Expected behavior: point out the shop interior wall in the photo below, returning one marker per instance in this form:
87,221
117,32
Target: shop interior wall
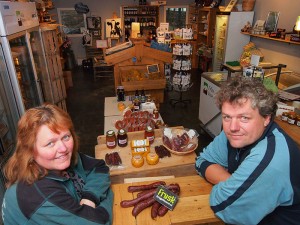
105,10
277,52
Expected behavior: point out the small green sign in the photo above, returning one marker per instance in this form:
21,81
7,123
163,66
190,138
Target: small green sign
166,197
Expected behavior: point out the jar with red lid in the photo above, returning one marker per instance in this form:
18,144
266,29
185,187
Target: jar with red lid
122,138
292,118
111,139
149,134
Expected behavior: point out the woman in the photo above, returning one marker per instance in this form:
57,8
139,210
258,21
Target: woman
48,181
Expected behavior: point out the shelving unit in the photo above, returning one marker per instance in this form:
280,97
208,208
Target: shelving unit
181,70
193,19
273,39
146,15
42,9
206,25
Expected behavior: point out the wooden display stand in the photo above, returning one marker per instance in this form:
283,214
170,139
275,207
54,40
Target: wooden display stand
144,56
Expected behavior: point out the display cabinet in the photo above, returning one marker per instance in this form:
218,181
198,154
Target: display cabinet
146,15
206,25
193,19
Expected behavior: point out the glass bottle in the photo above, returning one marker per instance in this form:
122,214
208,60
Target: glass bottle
111,140
143,96
136,104
149,134
122,138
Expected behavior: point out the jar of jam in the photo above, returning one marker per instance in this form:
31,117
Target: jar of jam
149,134
122,138
298,120
284,116
137,161
292,118
111,139
136,104
155,114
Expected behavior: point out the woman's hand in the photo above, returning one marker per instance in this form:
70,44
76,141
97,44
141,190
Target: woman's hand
87,202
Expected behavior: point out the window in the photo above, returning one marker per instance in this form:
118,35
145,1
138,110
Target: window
176,16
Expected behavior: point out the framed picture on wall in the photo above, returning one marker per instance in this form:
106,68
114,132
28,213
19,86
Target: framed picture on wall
72,22
93,22
95,32
113,28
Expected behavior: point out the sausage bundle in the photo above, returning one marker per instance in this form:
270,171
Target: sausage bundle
113,159
145,198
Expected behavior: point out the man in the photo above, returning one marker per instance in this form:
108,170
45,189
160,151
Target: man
253,163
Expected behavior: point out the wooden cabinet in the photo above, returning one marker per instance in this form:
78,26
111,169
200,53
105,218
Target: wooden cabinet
193,19
146,15
206,25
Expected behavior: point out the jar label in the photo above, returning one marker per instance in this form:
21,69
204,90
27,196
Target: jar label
298,123
111,143
151,138
284,118
291,121
122,141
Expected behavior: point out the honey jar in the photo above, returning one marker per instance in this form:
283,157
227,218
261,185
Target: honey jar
292,118
284,116
298,120
149,134
111,139
155,114
152,158
137,161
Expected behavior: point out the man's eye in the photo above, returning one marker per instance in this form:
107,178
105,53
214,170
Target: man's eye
226,118
244,119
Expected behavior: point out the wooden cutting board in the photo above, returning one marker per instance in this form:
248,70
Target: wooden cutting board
192,207
174,165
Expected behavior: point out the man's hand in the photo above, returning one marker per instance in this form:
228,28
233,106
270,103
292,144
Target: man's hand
216,173
87,202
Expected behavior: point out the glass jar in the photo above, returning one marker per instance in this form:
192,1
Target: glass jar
111,140
136,105
298,120
284,116
122,138
149,134
292,118
155,114
137,161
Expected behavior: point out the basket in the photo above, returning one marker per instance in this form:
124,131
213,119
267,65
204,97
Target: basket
181,153
248,5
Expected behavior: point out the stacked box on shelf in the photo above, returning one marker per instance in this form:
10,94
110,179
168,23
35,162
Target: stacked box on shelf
55,91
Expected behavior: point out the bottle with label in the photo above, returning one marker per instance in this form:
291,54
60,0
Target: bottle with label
122,138
111,139
143,96
136,95
136,104
149,134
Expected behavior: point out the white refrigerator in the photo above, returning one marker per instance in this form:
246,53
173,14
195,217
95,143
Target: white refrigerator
23,55
228,40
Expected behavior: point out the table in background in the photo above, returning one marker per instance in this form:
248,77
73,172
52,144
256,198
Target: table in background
292,130
176,165
192,208
112,113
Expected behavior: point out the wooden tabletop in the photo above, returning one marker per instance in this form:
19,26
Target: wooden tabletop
192,208
175,165
111,106
292,130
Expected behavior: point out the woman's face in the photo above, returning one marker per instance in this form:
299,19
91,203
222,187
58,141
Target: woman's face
53,151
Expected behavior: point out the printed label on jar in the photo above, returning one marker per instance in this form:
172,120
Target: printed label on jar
291,121
298,123
122,142
284,118
111,143
151,138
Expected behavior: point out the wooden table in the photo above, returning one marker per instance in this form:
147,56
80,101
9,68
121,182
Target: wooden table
175,165
292,130
192,208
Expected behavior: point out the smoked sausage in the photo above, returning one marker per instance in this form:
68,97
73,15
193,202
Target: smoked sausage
142,205
133,202
145,187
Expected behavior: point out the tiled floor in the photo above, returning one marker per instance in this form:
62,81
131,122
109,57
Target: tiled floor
85,104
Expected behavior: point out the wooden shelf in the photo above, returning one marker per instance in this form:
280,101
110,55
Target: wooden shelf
273,39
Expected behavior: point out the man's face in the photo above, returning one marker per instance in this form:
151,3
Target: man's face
242,124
